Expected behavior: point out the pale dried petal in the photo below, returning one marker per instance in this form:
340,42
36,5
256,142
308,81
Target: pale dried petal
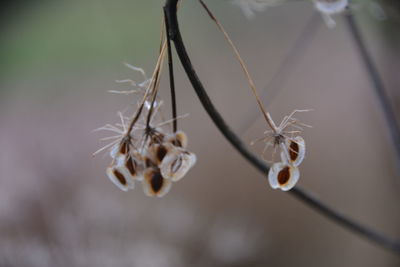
283,176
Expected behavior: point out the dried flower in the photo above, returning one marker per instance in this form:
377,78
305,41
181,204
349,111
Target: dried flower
143,150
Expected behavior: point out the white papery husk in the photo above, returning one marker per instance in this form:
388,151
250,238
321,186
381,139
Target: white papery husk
180,136
114,151
290,182
115,171
177,163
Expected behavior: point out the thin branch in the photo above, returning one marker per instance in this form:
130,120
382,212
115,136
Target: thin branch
147,92
299,193
171,75
377,82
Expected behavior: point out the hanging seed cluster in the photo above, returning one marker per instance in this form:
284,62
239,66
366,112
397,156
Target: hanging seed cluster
285,174
162,160
143,151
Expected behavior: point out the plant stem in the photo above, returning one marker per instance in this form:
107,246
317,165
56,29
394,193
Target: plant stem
171,76
243,65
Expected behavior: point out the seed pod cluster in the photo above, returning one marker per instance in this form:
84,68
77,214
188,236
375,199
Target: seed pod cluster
285,174
162,160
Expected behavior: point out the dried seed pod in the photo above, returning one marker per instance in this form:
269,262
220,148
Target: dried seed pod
157,152
177,163
293,151
154,184
283,176
120,149
119,178
130,167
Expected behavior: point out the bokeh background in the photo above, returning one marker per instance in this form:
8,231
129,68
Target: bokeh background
58,208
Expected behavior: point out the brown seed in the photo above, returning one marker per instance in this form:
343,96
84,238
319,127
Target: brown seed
156,181
120,177
131,166
284,175
161,152
293,150
124,146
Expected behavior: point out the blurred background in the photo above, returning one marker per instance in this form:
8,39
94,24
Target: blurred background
58,208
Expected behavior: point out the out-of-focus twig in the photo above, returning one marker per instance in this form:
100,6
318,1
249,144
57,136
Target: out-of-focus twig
378,85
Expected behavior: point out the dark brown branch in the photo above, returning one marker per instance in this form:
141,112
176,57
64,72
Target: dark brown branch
299,193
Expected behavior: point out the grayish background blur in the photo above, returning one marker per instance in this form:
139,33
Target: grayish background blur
58,208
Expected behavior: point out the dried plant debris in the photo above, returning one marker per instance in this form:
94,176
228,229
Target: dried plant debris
285,137
143,147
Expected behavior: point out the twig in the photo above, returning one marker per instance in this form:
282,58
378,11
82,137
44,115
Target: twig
298,192
377,82
171,76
